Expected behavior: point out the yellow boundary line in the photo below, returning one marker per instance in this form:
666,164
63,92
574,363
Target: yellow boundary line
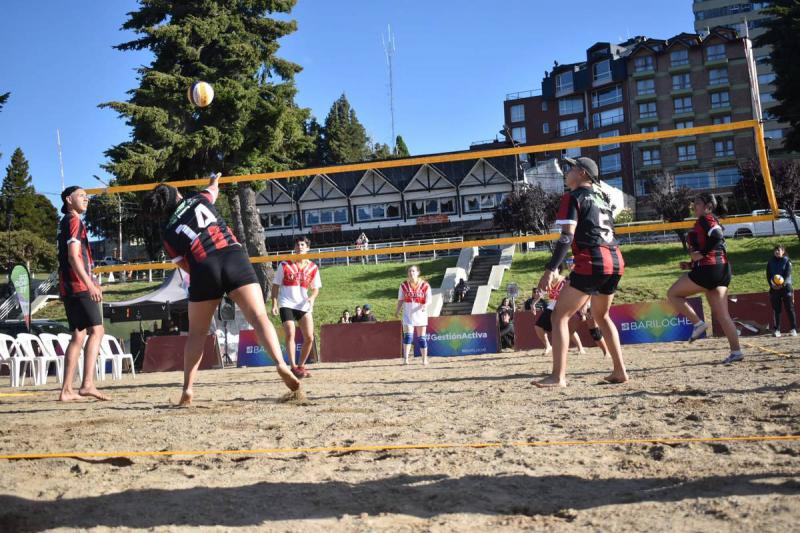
767,350
389,447
16,394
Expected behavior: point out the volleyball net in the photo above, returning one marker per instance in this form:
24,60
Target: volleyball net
688,147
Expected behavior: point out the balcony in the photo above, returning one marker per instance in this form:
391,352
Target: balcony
644,73
684,91
716,61
523,94
679,68
645,120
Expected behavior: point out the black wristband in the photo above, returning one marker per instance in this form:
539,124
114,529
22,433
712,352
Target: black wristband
560,252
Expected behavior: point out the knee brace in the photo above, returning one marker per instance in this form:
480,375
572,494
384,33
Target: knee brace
408,338
596,333
422,342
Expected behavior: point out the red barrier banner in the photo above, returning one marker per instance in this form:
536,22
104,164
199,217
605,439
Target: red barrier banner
165,353
752,314
344,343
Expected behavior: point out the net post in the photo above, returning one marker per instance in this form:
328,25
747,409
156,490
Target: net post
763,160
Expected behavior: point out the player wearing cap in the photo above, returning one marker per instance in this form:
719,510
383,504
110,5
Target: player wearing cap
81,295
587,227
294,290
199,241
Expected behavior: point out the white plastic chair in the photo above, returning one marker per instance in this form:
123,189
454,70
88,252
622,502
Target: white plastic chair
11,356
42,360
110,347
53,346
65,339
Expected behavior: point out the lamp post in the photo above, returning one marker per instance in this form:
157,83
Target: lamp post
506,131
119,205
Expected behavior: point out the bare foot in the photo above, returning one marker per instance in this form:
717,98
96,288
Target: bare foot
615,379
425,361
405,360
549,382
94,393
186,398
582,351
70,396
548,351
288,378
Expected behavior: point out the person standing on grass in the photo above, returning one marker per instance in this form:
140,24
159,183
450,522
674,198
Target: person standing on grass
587,225
81,294
781,294
709,273
294,290
199,241
413,298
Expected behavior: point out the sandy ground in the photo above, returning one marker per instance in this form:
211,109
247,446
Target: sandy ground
677,391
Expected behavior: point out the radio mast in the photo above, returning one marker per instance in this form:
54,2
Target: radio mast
389,49
60,159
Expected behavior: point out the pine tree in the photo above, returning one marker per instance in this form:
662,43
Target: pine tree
343,139
381,151
400,148
253,124
22,207
782,33
3,99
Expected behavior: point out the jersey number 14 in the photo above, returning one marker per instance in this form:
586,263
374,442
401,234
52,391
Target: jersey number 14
204,219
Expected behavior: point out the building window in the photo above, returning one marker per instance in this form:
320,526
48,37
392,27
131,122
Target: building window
601,72
648,110
476,203
718,76
520,134
287,219
367,213
681,81
723,148
615,182
651,156
720,99
682,104
568,127
721,119
695,180
608,117
545,127
643,64
715,52
607,96
687,152
643,187
678,58
333,215
766,98
763,59
564,83
571,152
610,133
769,115
648,129
647,86
434,206
570,106
544,105
774,134
610,163
683,124
517,113
728,177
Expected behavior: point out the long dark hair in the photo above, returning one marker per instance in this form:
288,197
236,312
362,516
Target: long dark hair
716,202
161,202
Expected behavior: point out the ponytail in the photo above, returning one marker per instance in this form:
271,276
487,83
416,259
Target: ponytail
161,202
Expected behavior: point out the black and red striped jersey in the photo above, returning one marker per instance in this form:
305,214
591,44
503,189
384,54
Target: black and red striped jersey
196,230
594,246
698,241
72,229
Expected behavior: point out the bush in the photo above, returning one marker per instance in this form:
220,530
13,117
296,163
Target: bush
624,217
26,247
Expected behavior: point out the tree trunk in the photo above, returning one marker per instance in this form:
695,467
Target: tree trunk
232,195
682,236
253,235
794,222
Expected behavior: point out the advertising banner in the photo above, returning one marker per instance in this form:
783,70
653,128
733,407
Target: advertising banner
461,335
21,280
250,353
652,322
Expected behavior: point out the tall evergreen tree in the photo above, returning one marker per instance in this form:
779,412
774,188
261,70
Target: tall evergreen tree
3,99
22,207
343,139
782,34
381,151
253,124
400,148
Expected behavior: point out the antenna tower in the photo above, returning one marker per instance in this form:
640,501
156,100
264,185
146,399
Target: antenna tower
60,159
389,49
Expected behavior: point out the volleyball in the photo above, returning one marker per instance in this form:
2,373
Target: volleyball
777,280
200,93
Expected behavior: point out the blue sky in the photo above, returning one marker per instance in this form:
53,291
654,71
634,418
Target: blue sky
455,61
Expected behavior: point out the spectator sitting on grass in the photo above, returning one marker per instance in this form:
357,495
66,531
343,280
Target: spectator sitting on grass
367,315
358,316
345,319
460,291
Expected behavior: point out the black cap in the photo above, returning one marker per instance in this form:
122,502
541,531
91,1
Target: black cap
586,164
65,194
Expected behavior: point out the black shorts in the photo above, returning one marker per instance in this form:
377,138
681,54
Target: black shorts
291,315
711,276
544,320
595,284
221,272
82,312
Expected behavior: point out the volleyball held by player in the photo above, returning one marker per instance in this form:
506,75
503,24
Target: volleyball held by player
413,298
198,240
587,228
709,274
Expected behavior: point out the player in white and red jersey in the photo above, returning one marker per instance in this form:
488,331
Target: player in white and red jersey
544,325
413,298
294,290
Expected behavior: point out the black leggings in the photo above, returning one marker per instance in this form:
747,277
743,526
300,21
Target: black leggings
507,335
783,297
